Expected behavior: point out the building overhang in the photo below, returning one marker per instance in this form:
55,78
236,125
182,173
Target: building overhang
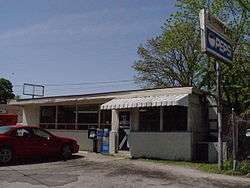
147,101
101,98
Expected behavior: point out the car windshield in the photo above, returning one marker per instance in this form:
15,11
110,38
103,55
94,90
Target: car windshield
5,129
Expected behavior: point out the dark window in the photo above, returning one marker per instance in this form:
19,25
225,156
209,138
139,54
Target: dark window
24,133
106,119
175,118
66,114
87,116
48,117
66,117
41,133
124,119
149,119
48,114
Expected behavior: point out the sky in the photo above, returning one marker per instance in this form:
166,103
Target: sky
73,46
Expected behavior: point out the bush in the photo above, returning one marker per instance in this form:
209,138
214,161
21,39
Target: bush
244,167
228,164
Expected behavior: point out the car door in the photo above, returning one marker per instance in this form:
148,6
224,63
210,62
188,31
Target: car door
48,144
24,144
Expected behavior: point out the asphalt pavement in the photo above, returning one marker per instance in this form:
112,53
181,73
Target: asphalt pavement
96,170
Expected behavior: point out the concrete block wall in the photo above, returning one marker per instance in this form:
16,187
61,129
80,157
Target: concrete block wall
81,136
161,145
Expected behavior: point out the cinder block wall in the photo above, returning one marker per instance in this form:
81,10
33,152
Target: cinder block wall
161,145
81,136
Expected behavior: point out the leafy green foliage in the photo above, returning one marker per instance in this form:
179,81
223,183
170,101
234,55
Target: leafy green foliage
174,58
244,167
6,91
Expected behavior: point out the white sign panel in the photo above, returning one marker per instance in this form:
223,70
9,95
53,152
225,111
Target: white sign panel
214,40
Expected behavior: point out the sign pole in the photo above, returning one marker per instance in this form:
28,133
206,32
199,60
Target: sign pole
219,116
235,140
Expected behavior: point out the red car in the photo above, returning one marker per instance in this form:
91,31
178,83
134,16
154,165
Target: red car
28,141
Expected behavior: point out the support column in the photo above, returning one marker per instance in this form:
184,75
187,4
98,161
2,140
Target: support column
76,117
134,116
161,119
56,120
113,135
99,118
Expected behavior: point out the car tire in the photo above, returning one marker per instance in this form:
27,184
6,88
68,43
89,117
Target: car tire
66,152
6,155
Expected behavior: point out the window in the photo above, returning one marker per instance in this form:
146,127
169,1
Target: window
5,129
106,119
87,116
41,133
175,118
149,119
124,119
66,117
25,133
48,117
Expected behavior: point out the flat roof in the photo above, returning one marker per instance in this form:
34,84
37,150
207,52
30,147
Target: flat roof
106,95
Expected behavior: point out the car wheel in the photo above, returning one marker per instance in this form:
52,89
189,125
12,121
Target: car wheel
66,152
6,155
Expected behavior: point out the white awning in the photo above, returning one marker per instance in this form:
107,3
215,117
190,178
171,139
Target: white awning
150,101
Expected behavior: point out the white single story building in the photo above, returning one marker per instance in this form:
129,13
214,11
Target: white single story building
154,123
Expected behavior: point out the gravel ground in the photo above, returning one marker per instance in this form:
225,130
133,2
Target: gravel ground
95,170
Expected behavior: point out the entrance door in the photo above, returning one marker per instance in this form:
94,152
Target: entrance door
124,130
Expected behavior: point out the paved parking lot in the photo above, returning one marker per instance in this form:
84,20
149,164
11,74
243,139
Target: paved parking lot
95,170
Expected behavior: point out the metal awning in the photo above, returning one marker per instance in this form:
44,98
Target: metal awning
149,101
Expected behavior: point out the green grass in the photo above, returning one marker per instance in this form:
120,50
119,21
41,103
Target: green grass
207,167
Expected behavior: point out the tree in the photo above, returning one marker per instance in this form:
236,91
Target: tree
6,91
174,57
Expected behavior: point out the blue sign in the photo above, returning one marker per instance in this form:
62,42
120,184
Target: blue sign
218,45
99,133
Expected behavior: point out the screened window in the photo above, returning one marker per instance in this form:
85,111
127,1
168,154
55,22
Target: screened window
106,119
66,117
87,116
149,119
48,117
175,118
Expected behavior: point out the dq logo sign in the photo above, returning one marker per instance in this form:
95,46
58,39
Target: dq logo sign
218,46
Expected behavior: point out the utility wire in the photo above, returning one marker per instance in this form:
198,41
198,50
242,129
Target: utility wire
83,83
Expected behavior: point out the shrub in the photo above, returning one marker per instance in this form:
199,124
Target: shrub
245,167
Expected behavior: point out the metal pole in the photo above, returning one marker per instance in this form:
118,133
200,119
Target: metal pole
234,140
219,116
33,92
